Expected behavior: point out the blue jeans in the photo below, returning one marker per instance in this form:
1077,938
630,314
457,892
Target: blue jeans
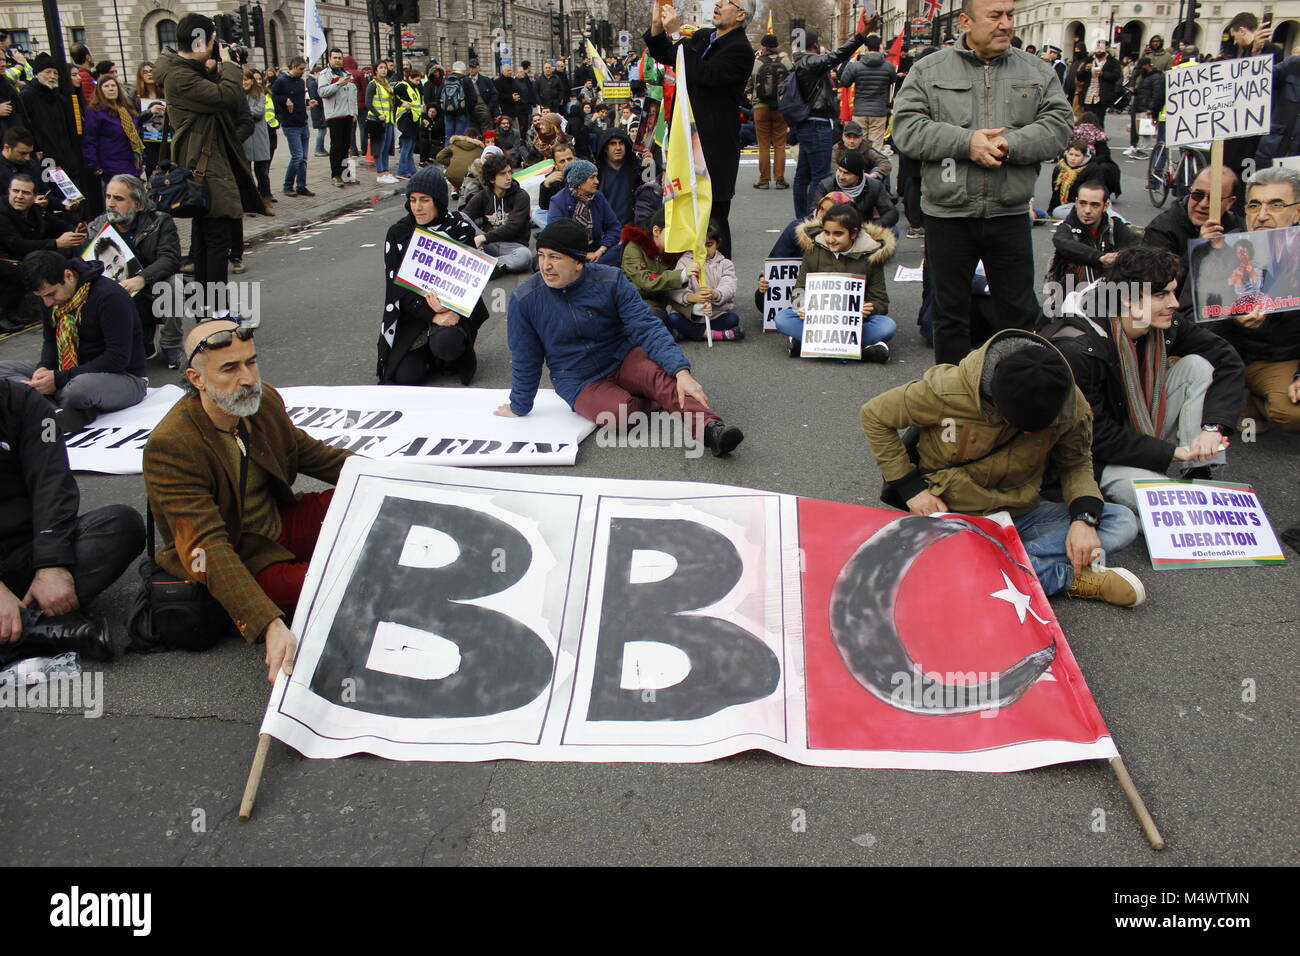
405,160
877,328
694,331
1044,530
381,155
456,125
320,139
295,174
815,142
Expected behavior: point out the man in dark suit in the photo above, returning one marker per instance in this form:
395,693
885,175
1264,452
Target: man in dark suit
718,64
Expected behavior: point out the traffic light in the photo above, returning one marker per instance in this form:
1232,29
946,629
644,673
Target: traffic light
259,27
245,33
1118,38
1193,9
555,25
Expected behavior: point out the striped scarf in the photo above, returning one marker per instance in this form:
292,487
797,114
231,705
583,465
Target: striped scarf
67,327
1144,387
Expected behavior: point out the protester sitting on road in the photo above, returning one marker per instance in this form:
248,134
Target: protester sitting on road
254,534
16,157
1072,170
1270,344
1190,219
501,213
620,172
616,359
26,226
458,154
92,357
852,140
552,183
582,200
870,196
847,246
1089,239
1015,410
790,244
153,238
717,297
473,181
53,562
653,272
418,336
1149,413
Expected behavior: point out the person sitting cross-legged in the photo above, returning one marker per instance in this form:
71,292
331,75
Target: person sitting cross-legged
608,356
92,357
219,471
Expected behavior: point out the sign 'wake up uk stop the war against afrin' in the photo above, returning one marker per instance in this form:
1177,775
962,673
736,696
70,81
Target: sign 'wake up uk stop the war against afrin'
1226,99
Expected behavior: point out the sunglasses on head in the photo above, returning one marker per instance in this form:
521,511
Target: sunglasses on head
220,340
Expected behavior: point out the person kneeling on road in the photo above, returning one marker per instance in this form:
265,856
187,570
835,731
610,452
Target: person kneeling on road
219,471
53,562
988,429
606,353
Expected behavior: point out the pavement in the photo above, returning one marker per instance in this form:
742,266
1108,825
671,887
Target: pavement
1197,685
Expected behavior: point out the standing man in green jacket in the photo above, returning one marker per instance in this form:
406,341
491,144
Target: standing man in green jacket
981,117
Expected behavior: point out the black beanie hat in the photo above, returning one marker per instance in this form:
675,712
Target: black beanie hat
851,161
566,236
770,41
44,62
1030,387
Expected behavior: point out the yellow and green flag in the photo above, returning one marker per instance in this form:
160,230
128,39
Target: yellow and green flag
688,193
603,75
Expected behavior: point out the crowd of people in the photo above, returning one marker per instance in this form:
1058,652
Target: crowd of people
1047,415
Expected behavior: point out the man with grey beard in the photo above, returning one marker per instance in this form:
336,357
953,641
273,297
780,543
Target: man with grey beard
153,238
219,472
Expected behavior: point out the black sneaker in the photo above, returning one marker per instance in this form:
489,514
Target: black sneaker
796,348
878,353
305,192
722,438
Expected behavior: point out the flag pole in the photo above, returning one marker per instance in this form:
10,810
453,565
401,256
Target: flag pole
254,776
1149,829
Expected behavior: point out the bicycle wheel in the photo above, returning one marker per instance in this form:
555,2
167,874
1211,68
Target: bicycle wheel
1157,181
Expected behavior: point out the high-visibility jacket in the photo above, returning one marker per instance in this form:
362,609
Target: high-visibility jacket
20,74
269,110
409,101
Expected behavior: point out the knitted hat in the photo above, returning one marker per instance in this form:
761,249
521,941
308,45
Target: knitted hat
577,173
851,161
1030,387
43,62
771,42
565,236
431,182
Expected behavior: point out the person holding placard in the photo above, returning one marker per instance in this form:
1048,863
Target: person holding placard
1150,413
418,336
608,356
1270,344
791,244
846,246
988,428
869,195
1178,225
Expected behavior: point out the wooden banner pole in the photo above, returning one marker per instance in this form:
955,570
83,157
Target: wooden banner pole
1216,181
1149,829
255,776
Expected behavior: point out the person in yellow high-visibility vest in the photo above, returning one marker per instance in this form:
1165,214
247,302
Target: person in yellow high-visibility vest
268,111
409,113
381,101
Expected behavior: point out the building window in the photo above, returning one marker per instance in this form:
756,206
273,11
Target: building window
167,35
77,35
21,38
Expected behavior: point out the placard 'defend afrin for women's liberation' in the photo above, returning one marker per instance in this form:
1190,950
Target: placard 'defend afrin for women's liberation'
456,274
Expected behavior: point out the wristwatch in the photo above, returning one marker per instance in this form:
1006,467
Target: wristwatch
1211,428
1088,518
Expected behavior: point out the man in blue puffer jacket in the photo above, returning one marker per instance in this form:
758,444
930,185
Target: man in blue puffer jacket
610,359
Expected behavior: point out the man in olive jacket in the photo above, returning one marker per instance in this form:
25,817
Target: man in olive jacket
982,117
195,105
988,429
229,435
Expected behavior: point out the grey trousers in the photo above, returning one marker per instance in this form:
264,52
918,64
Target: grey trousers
511,256
1184,398
94,391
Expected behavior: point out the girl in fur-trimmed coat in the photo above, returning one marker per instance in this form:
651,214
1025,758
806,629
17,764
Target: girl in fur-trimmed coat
843,244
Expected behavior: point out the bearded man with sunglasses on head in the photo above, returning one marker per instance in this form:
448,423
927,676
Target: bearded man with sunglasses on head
219,471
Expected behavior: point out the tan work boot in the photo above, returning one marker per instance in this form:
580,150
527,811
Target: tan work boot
1112,585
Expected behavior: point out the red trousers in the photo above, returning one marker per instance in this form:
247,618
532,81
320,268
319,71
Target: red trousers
299,528
640,385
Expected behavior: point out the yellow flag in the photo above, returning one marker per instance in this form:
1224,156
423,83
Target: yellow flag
603,75
688,194
769,21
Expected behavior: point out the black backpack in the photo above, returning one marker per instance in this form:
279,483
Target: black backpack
794,108
767,85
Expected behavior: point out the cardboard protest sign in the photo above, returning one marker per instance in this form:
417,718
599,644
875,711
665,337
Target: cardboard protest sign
1204,524
832,322
1225,99
456,274
616,92
781,275
452,426
1247,272
460,616
66,186
108,246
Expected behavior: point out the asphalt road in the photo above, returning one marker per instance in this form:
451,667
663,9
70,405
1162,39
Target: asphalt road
158,778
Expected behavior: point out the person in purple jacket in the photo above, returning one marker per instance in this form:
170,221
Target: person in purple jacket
110,143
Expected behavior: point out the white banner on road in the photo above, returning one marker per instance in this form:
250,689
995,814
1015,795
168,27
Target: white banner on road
1225,99
447,426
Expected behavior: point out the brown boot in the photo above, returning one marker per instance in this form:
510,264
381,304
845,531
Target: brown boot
267,208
